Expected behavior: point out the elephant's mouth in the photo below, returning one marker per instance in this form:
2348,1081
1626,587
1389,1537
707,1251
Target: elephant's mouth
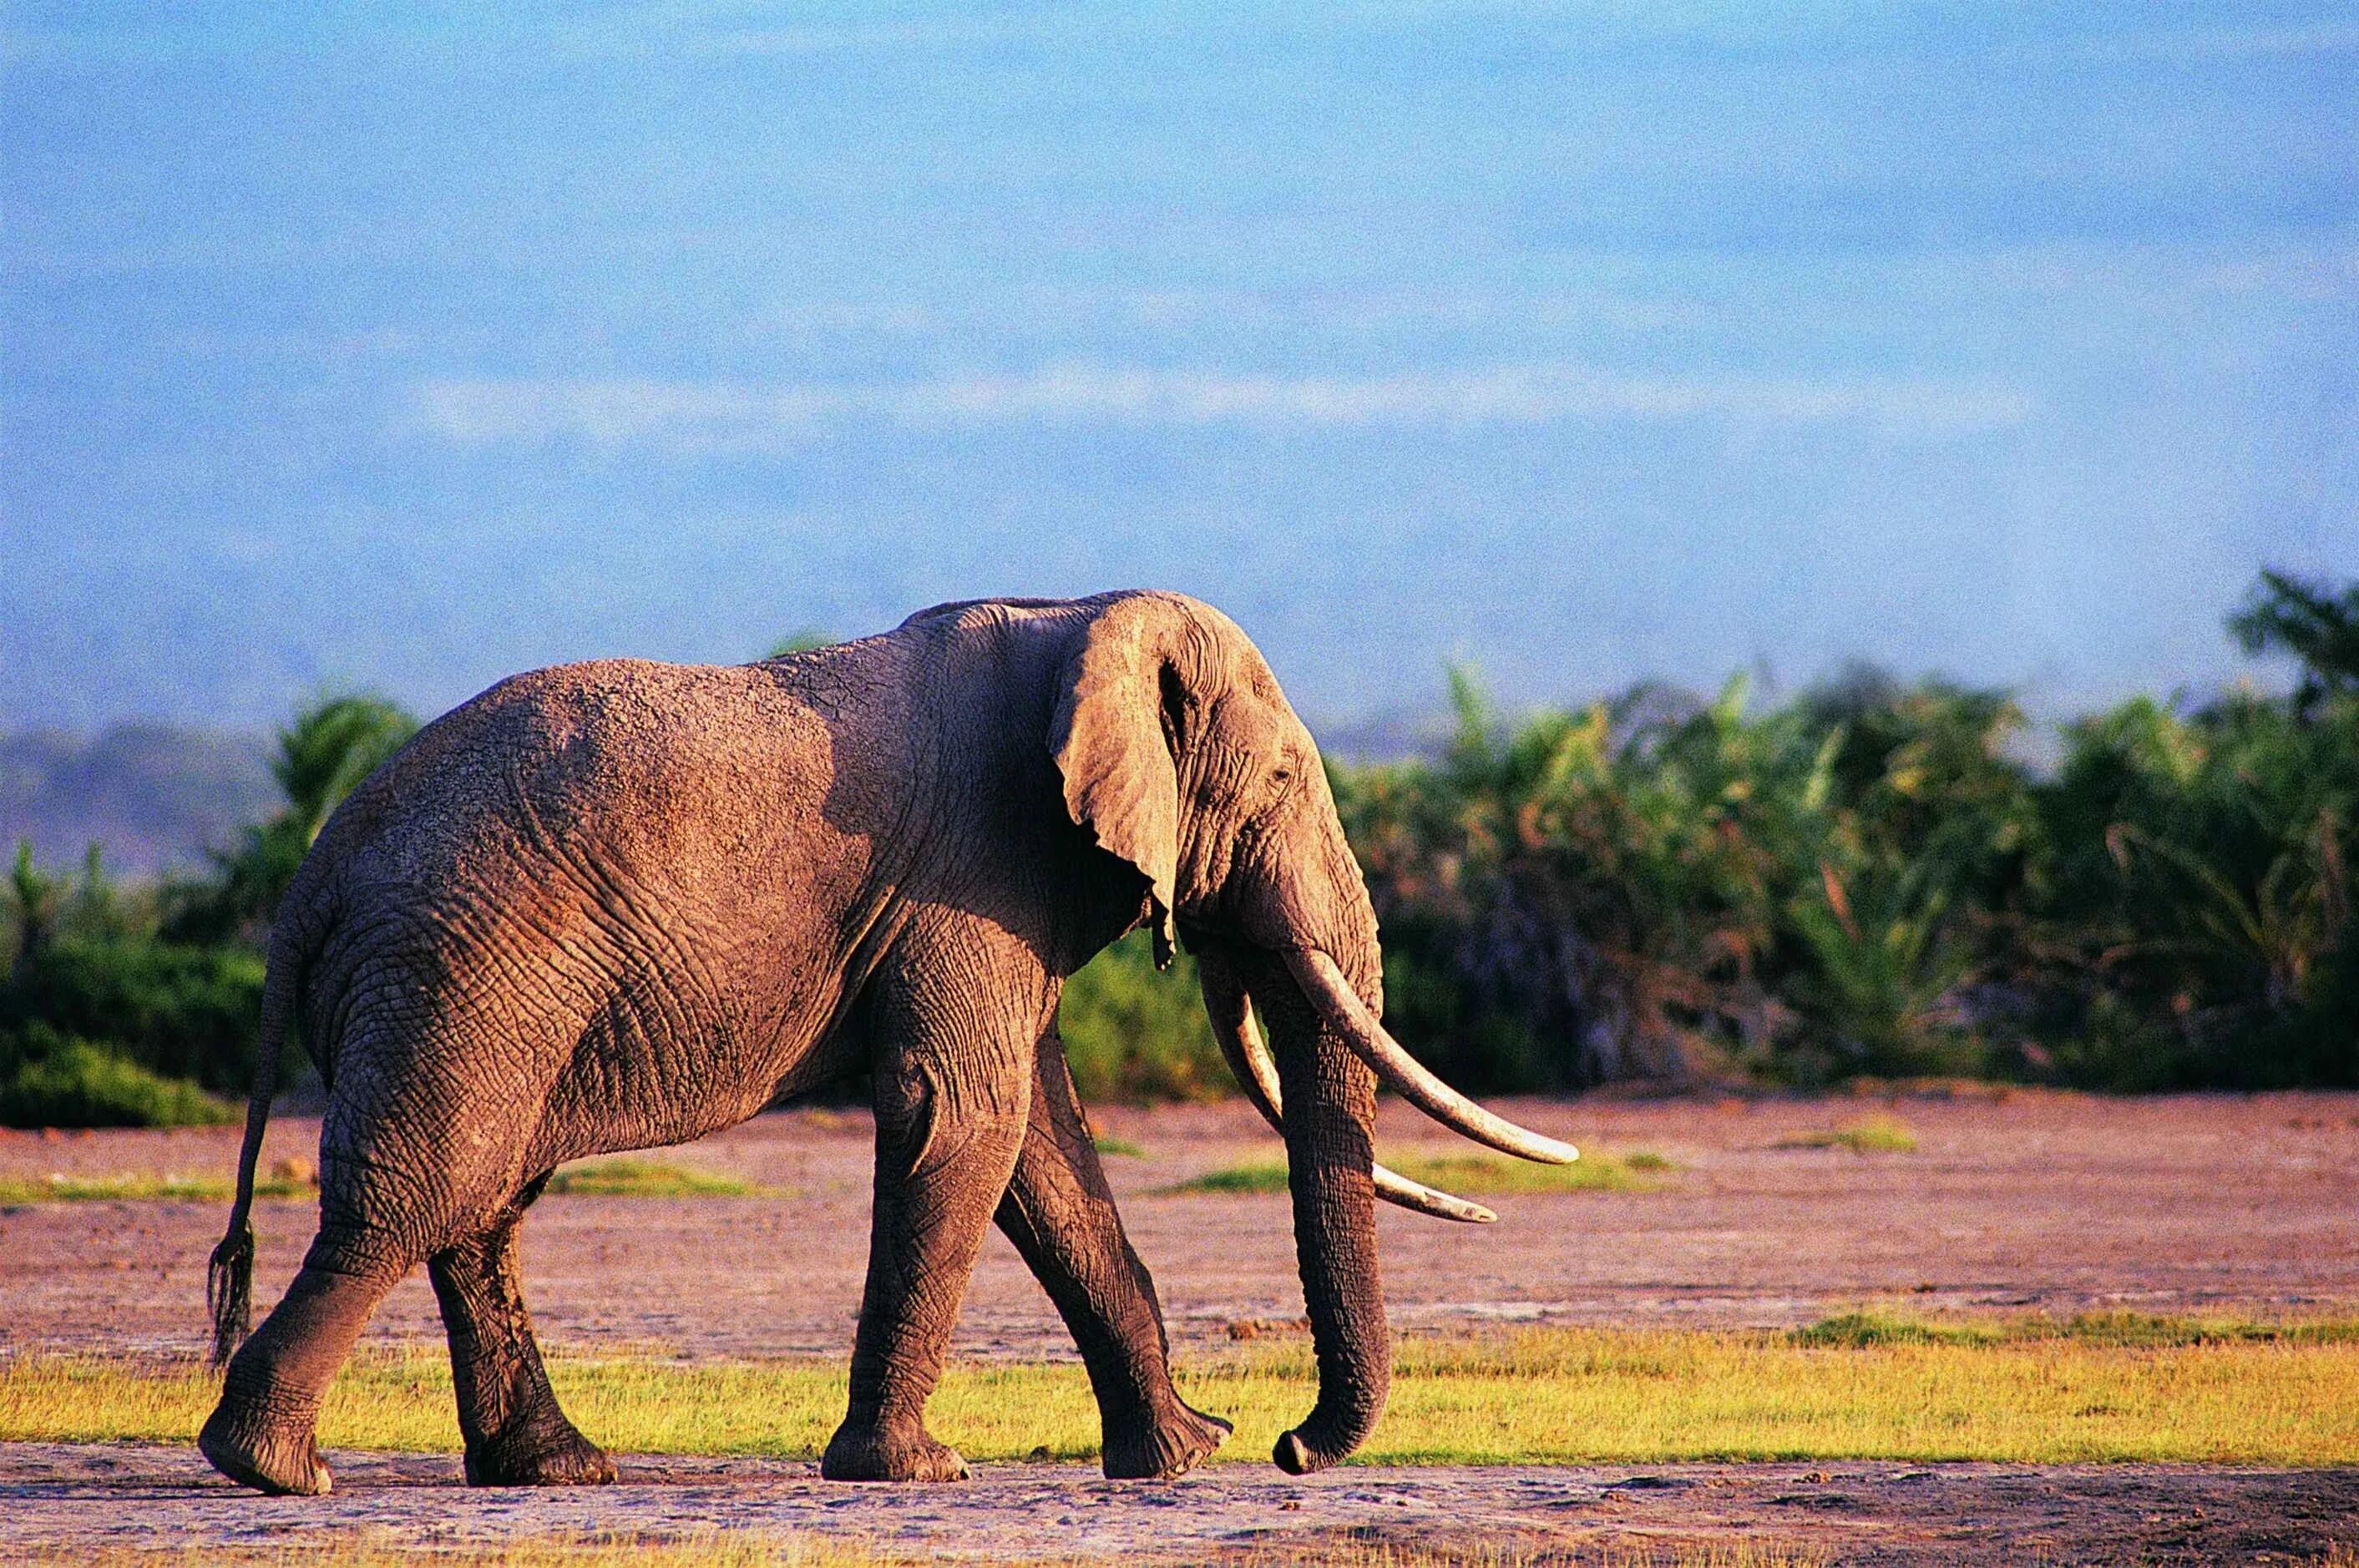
1230,1007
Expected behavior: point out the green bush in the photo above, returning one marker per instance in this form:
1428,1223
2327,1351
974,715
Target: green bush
165,982
178,1009
1135,1034
1869,879
59,1080
2197,906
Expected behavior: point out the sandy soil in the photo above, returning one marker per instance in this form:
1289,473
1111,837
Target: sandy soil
58,1495
2028,1200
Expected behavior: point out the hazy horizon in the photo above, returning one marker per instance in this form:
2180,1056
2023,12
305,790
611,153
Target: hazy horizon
1587,343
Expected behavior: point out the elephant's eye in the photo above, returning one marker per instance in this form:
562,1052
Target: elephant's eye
1282,775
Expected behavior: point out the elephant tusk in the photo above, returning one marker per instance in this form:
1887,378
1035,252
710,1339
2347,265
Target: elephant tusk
1231,1011
1395,1188
1321,979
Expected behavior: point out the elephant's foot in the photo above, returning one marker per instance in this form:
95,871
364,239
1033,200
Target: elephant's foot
278,1453
1171,1447
886,1454
546,1452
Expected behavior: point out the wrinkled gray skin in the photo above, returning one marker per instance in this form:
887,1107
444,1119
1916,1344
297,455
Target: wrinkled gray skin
618,905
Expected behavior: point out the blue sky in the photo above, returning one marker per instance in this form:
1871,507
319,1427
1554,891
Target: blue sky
1586,342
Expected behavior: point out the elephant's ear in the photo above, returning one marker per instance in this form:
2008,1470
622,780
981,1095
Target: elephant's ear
1114,741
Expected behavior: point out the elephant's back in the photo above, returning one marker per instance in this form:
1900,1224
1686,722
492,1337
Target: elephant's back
608,820
680,762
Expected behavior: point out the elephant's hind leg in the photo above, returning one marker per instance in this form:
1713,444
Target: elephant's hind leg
1061,1215
407,1156
516,1434
264,1433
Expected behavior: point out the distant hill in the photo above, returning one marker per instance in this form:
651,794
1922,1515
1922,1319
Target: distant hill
1395,735
156,796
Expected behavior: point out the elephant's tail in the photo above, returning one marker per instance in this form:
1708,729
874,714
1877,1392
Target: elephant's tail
229,1278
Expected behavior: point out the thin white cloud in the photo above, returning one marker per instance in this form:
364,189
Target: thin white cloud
699,417
2225,43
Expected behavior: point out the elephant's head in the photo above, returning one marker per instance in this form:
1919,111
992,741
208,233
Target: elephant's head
1178,750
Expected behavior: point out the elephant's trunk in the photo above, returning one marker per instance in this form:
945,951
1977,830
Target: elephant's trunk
1329,1097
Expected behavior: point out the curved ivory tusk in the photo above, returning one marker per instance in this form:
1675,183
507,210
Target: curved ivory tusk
1395,1188
1241,1045
1323,981
1230,1012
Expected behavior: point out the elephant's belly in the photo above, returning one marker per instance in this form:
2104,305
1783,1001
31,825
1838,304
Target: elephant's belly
643,1076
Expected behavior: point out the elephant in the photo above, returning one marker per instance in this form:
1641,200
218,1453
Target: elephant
616,905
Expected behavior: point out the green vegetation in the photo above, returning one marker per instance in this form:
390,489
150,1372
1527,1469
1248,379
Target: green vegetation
141,1188
646,1178
334,743
1464,1173
2038,1392
1595,1172
1867,879
2117,1330
1132,1034
1118,1147
61,1081
1869,1135
1246,1176
806,640
138,1005
591,1179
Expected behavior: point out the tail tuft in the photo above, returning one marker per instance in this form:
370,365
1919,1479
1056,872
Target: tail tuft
229,1278
229,1290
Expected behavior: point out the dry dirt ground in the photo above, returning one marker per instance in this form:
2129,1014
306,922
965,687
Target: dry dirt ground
2020,1202
1848,1513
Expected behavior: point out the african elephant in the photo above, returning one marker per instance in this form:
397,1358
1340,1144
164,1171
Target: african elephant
617,905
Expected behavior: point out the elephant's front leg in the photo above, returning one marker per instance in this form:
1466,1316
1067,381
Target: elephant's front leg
949,1119
1061,1215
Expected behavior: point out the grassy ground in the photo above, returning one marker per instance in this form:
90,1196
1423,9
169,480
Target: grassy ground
2112,1387
594,1178
649,1179
1478,1175
1868,1135
141,1187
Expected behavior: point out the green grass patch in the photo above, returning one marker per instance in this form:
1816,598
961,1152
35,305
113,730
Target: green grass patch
138,1187
1120,1148
1869,1135
648,1179
2102,1388
1486,1174
1595,1172
1247,1176
2112,1330
594,1178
